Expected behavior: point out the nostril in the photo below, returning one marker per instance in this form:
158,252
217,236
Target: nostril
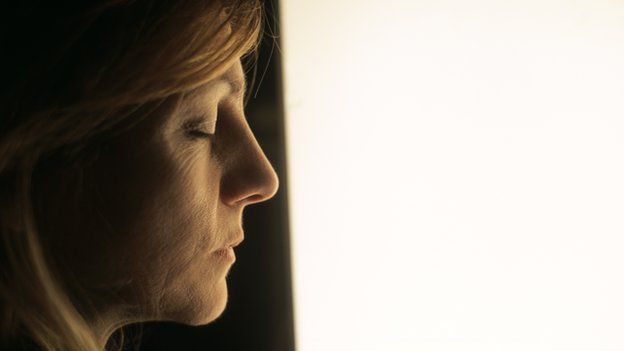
256,198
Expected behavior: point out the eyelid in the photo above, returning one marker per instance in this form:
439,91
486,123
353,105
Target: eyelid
200,134
198,123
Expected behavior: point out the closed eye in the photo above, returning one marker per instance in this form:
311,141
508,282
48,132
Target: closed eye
199,134
197,126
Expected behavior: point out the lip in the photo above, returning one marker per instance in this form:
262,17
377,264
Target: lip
231,244
234,243
226,255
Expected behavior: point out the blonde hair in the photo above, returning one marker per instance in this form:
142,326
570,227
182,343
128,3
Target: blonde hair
74,77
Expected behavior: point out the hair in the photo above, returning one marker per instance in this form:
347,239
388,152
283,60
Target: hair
72,77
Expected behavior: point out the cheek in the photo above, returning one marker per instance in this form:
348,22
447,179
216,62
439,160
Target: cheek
189,205
160,212
180,227
188,280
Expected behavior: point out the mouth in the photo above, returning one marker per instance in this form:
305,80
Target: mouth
234,243
226,252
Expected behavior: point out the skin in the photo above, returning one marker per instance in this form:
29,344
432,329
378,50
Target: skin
142,241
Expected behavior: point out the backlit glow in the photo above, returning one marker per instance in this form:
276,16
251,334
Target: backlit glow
456,174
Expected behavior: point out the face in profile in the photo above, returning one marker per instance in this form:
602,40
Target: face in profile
162,205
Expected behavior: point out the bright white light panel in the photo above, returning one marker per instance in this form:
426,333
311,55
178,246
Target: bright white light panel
456,174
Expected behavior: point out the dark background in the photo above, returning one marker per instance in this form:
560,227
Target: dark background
259,314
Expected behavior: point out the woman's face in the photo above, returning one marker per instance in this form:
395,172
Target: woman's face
165,201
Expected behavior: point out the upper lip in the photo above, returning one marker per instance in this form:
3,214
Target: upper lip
236,241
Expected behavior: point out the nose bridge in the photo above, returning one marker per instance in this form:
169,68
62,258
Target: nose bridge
248,174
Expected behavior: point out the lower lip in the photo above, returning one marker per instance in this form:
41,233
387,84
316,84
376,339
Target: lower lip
226,254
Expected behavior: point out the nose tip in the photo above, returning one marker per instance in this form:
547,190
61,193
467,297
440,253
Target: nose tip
268,183
254,180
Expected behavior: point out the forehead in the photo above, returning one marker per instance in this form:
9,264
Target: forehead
230,82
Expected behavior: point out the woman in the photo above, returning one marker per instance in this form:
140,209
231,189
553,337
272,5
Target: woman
125,164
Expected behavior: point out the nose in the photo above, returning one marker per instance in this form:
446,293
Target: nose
248,176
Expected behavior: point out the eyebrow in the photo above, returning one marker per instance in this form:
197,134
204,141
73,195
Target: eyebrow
237,86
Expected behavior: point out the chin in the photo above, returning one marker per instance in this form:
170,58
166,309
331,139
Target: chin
211,309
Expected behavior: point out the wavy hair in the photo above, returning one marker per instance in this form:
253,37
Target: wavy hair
72,77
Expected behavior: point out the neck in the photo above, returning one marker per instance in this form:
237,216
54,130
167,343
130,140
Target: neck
105,326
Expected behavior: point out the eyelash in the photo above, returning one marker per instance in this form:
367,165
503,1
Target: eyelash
200,134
